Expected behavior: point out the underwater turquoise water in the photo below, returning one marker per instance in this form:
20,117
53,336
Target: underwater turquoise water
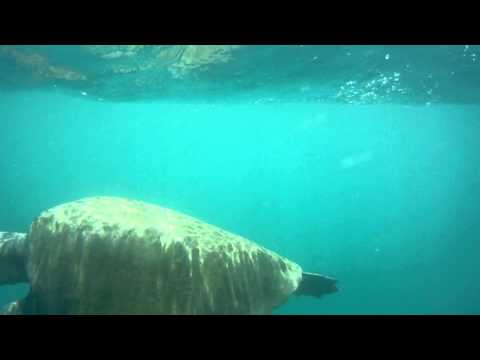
382,197
385,196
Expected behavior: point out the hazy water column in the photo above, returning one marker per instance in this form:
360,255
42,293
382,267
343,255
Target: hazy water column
382,197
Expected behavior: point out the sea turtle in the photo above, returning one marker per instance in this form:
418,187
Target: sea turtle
110,255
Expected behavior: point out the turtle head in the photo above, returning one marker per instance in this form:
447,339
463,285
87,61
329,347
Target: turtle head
12,258
316,285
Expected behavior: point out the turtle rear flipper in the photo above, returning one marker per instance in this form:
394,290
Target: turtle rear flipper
316,285
12,261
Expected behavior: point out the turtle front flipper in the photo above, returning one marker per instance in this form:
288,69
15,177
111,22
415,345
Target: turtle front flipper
14,308
26,306
12,258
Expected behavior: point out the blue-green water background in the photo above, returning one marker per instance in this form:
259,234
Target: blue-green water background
384,197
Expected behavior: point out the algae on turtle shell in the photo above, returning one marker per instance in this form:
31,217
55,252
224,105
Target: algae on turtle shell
109,255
